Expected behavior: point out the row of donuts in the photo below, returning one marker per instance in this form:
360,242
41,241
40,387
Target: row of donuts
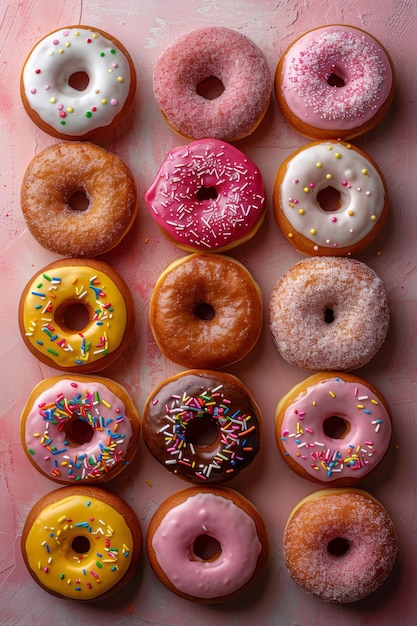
205,185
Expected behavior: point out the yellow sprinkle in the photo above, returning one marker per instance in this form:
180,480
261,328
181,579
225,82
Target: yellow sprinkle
290,235
348,146
120,79
52,100
39,565
70,110
365,172
149,483
68,45
301,211
373,401
110,70
330,147
146,239
314,403
319,165
373,218
106,404
332,394
306,189
313,231
329,176
61,519
337,155
95,36
351,213
360,406
61,51
291,205
76,34
104,101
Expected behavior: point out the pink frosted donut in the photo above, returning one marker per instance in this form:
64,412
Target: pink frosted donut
329,313
239,70
334,82
339,544
207,196
333,428
207,546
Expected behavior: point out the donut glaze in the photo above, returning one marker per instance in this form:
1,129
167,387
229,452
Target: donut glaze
223,54
329,313
206,196
206,311
222,514
328,520
66,111
57,291
48,185
344,227
197,399
82,543
79,429
334,82
321,454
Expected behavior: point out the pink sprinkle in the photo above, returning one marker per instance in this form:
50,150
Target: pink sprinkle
55,42
65,33
312,185
59,107
33,90
334,219
285,433
113,101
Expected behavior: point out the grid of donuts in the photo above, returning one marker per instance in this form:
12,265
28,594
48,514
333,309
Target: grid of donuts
206,542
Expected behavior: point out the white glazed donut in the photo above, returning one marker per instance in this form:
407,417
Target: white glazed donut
69,112
330,198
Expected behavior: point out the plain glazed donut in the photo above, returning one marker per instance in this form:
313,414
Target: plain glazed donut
333,428
82,543
54,178
79,429
334,82
77,83
76,315
200,402
207,546
339,544
212,53
206,311
329,313
330,198
207,196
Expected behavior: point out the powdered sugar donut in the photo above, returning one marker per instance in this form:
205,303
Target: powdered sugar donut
237,65
330,198
329,313
339,544
207,196
334,82
77,83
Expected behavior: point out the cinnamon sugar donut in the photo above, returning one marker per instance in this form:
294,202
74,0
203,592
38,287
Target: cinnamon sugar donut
206,311
329,313
339,544
107,199
235,62
334,82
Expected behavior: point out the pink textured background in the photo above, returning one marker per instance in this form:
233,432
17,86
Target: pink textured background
145,28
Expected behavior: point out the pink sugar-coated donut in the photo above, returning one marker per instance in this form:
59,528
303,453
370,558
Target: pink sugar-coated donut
333,429
329,313
339,544
207,196
334,82
207,53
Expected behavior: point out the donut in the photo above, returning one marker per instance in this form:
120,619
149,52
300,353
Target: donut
207,196
79,429
205,311
207,546
329,313
330,198
212,82
76,315
333,428
82,543
202,425
339,544
78,82
334,82
78,199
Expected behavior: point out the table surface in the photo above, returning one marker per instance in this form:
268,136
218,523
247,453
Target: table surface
146,28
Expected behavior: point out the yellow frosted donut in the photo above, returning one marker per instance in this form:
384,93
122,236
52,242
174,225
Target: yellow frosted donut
76,315
81,542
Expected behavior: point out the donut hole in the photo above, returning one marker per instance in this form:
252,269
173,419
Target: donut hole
74,316
205,311
79,81
205,548
335,427
336,77
338,546
80,544
329,199
78,200
210,88
207,193
329,315
78,431
202,432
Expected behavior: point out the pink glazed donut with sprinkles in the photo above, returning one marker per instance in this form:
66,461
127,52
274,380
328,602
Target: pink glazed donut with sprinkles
207,196
333,429
194,107
78,82
334,82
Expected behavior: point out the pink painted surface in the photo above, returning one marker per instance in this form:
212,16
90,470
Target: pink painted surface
142,141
